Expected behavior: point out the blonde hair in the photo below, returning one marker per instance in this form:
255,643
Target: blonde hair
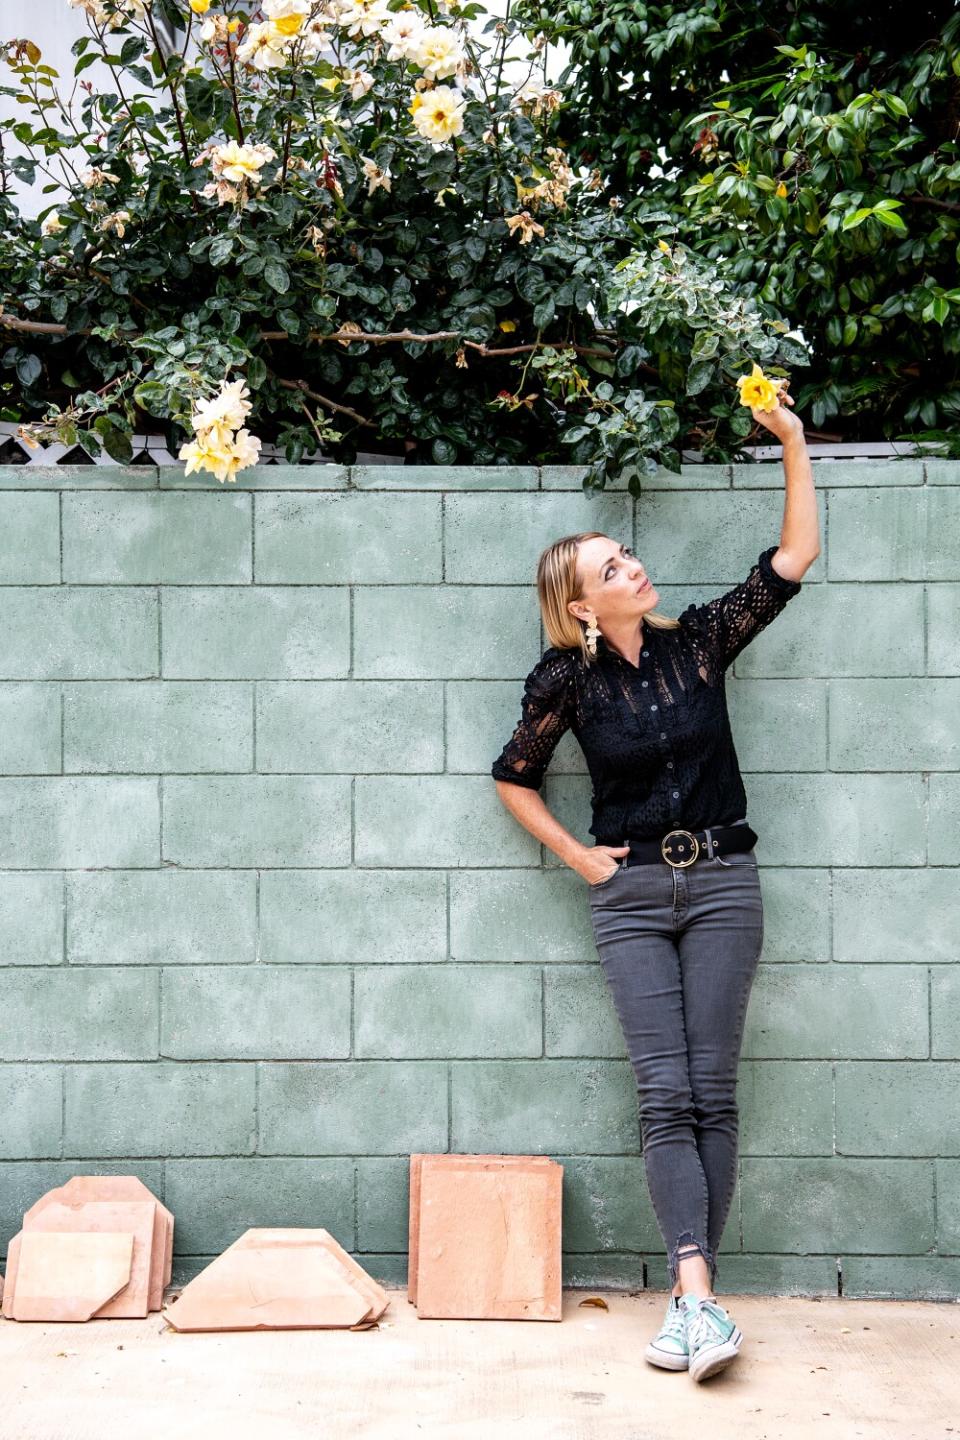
558,584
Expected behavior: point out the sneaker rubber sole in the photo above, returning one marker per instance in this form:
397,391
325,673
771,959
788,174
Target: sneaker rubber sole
715,1357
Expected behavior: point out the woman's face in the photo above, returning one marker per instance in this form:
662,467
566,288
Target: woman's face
614,584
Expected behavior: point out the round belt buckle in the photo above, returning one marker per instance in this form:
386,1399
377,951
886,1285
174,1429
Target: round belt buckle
684,858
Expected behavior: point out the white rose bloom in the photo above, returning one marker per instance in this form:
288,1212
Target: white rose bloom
439,53
403,35
287,15
230,408
366,16
263,47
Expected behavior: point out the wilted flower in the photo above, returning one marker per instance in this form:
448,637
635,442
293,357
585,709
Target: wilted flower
526,224
52,224
116,221
93,178
375,177
122,11
359,81
537,99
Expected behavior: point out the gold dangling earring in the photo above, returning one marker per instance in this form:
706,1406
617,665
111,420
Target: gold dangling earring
592,634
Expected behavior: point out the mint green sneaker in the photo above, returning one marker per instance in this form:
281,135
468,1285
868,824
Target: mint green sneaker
713,1338
668,1348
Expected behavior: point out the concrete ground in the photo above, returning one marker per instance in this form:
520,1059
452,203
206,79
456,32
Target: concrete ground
833,1369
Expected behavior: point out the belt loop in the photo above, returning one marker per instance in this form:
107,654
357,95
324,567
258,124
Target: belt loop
710,844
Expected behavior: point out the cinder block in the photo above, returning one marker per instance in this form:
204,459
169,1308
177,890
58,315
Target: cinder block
326,539
473,632
29,538
349,726
255,632
157,726
88,632
430,1012
176,538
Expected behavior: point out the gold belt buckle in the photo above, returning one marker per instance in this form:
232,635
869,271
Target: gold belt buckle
679,864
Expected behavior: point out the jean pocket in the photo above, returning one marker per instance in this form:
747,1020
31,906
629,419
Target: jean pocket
599,884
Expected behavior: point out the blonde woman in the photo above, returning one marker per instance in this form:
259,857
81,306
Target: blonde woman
672,879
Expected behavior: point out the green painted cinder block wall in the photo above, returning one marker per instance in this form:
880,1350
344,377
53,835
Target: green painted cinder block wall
265,927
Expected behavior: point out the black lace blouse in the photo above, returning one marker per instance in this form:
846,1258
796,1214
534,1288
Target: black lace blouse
656,737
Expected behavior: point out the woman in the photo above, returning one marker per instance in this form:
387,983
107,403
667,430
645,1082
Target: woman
672,880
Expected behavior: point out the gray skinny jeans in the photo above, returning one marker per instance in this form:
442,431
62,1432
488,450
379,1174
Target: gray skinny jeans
680,948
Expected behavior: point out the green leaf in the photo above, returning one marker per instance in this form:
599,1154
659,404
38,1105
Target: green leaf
543,312
256,372
29,368
705,345
276,276
699,376
221,249
444,451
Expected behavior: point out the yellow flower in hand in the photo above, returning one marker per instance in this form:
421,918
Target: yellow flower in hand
757,391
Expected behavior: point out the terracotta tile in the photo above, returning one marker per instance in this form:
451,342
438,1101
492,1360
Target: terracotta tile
71,1275
80,1188
277,1279
354,1272
416,1161
489,1242
99,1216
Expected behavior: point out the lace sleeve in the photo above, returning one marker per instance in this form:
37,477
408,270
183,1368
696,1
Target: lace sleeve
546,712
732,620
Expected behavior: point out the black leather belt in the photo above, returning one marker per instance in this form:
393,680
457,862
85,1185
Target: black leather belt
680,848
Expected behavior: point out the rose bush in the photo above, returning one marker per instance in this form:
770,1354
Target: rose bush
347,225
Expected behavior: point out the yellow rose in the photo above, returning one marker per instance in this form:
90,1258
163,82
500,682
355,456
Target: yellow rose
757,391
199,7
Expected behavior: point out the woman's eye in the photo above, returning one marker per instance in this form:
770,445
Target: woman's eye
625,554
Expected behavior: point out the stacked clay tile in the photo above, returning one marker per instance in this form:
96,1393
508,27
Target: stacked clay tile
485,1237
99,1247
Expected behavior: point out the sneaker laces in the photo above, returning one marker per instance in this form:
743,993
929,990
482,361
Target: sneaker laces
676,1322
704,1325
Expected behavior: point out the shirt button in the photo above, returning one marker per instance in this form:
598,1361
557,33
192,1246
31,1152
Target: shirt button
669,764
646,652
663,734
643,683
676,794
653,707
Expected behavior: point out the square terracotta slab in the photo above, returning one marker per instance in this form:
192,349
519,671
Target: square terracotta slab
279,1279
68,1276
416,1163
81,1188
489,1245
